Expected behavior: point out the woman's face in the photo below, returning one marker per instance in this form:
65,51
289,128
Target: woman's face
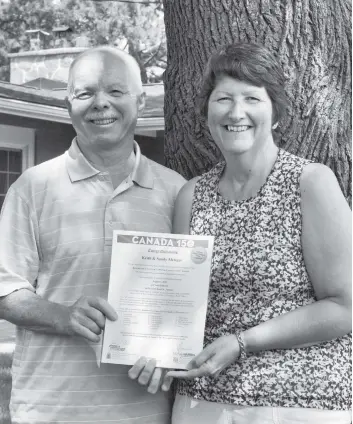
239,116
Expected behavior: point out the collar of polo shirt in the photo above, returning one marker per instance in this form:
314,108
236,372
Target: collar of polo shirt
79,168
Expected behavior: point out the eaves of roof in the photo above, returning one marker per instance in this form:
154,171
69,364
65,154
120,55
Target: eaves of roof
35,31
62,28
50,104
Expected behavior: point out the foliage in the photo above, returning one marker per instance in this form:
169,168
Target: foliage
7,332
137,27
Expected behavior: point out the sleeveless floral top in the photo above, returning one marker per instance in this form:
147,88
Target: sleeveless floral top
258,273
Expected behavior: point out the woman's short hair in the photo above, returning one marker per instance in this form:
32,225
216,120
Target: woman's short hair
248,62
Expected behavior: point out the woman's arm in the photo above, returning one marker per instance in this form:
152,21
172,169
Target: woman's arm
326,244
182,208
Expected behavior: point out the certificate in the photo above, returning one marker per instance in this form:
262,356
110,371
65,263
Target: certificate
159,288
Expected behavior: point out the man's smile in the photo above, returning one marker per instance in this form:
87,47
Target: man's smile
102,121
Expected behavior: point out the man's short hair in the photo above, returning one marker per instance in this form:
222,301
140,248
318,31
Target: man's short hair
101,50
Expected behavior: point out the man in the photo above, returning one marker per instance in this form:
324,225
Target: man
55,247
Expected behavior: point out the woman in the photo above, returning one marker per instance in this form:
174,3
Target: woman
279,312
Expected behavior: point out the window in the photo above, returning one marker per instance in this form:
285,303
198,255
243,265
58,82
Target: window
16,155
10,169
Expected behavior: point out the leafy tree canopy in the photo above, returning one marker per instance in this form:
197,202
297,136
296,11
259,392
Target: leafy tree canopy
133,26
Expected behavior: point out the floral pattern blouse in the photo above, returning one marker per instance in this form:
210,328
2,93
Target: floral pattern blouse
258,273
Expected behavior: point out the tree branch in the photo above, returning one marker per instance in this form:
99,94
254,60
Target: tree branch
152,56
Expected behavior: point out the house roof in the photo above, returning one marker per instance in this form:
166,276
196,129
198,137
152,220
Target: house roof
62,28
35,31
49,103
45,83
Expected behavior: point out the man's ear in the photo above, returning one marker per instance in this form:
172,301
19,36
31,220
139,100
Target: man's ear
141,103
68,105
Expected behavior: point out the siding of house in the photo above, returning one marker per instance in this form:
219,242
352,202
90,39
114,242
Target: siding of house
53,138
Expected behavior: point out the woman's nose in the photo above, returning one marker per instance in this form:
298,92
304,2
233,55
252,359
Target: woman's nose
236,110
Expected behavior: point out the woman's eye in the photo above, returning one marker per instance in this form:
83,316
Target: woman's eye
252,99
224,99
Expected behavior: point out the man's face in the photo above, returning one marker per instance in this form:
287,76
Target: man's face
105,101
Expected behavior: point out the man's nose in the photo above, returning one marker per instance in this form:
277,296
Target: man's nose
100,101
237,110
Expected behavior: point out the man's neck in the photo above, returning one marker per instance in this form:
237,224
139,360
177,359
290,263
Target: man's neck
118,162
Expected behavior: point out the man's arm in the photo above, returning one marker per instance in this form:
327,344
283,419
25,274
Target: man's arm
85,318
19,266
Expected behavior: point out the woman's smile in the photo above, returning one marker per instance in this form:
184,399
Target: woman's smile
237,128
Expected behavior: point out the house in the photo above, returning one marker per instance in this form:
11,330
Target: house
37,37
34,122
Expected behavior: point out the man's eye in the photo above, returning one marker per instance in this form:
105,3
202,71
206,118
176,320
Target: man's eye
84,95
116,93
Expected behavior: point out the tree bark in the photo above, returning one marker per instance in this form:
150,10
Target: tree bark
312,40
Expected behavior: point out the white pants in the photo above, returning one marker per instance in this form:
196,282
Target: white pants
191,411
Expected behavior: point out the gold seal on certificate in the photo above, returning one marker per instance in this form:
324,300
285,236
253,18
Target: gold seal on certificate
159,288
198,255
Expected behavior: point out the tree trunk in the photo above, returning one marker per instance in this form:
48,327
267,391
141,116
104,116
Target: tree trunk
311,38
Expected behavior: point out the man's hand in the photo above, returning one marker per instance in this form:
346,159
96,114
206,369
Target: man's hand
146,373
212,360
87,317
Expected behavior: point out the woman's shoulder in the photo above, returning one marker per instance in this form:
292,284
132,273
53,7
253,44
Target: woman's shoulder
183,206
187,191
204,179
288,171
321,195
210,179
293,160
317,171
318,180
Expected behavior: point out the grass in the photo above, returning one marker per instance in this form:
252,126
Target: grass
7,339
5,386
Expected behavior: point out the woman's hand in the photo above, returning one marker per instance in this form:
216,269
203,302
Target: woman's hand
212,360
146,373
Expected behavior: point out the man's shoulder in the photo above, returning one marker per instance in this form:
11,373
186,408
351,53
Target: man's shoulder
40,174
164,174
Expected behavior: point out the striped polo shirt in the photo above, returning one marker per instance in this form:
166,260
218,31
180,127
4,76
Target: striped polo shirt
56,235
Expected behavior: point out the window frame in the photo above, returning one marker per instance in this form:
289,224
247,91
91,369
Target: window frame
20,138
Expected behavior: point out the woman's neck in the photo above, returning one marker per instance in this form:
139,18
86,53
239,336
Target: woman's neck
245,174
